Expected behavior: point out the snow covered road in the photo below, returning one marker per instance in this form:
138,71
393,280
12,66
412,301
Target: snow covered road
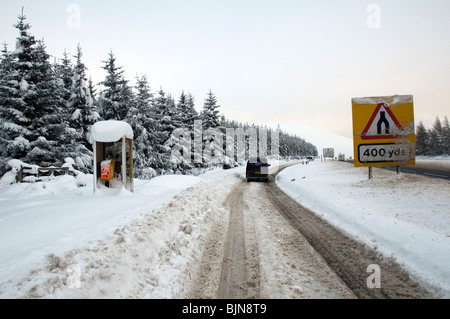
260,255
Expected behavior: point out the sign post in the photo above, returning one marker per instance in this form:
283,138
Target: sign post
383,131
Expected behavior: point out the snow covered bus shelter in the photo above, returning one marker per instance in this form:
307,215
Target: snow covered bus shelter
113,155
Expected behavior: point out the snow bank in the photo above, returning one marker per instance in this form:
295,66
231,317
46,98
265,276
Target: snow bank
58,215
156,255
404,216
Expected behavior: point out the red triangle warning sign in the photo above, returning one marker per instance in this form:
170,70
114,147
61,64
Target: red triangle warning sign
382,125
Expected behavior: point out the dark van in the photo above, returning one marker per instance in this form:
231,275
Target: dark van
257,169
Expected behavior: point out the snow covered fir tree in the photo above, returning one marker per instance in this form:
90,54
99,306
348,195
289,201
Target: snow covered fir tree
46,111
31,103
434,141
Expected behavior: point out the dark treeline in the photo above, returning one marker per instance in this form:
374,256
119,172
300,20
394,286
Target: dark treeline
435,140
47,109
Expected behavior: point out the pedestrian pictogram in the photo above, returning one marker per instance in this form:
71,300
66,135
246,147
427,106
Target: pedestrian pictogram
382,125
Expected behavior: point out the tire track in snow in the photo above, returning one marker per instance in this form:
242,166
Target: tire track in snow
259,255
240,254
348,258
229,266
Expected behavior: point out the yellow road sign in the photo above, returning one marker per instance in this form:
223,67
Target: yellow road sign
383,131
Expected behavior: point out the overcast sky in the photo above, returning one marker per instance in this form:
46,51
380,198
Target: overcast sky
266,61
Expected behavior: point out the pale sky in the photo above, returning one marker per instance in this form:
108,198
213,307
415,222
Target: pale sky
266,61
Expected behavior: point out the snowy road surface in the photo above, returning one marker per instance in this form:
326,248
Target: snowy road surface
212,236
404,217
261,256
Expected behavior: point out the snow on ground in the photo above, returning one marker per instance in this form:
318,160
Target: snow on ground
59,240
55,216
403,216
54,232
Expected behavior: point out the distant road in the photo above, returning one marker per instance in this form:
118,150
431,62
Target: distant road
428,172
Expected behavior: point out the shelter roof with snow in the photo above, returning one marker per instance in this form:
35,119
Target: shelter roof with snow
110,131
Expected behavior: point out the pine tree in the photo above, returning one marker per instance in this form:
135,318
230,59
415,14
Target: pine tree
92,89
213,145
114,100
81,105
43,102
144,96
30,99
25,47
436,138
64,72
186,110
6,63
162,112
184,135
210,112
422,140
12,120
12,106
173,113
140,119
78,113
446,136
14,136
